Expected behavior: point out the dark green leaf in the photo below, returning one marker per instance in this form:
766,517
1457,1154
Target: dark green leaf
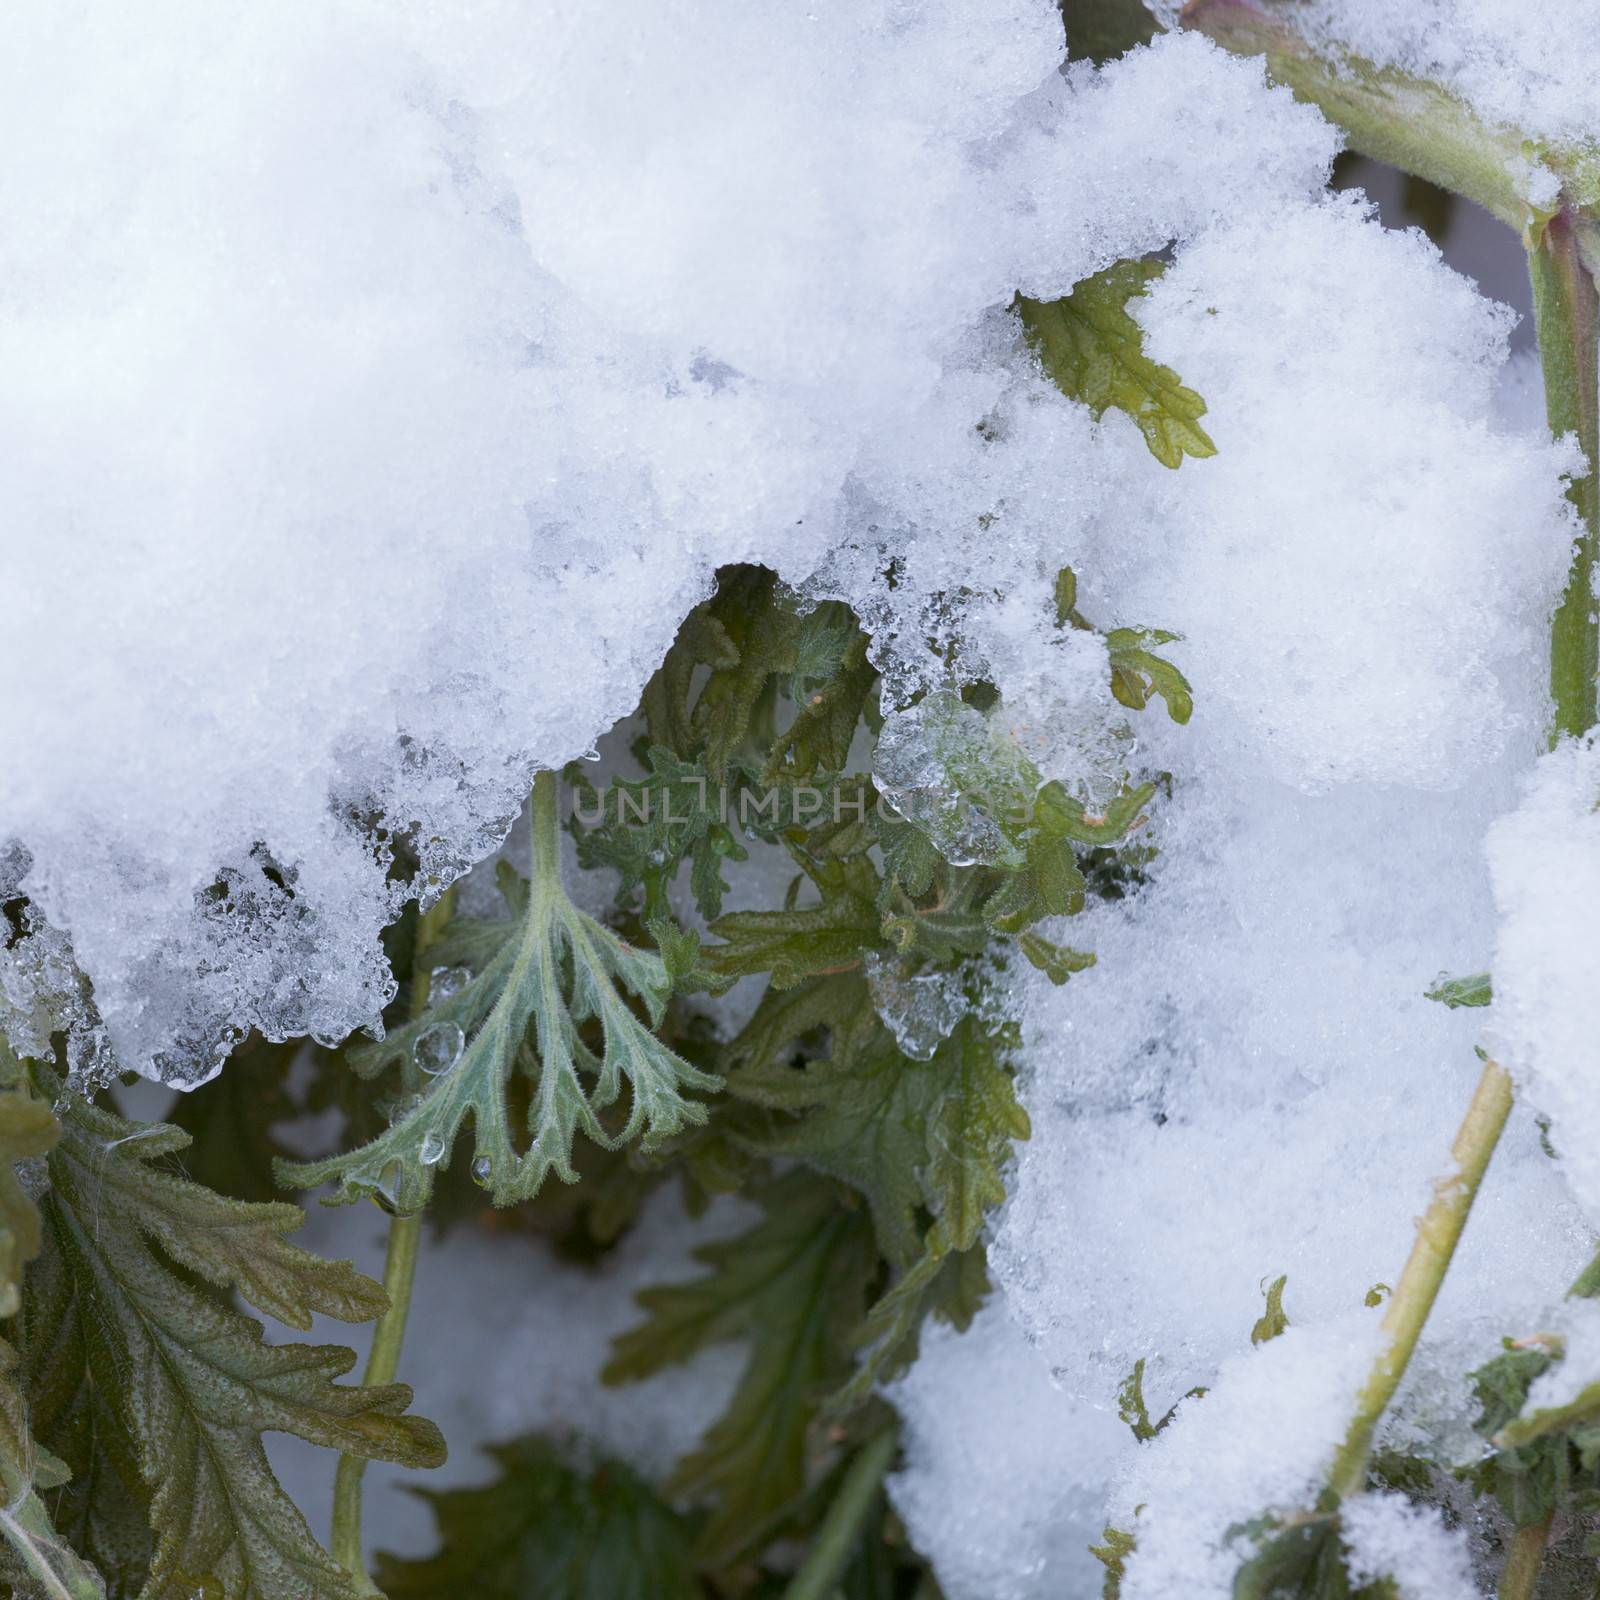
547,1530
795,1286
127,1322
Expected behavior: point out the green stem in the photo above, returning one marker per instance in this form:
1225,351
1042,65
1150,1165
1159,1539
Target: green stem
1437,1235
1523,1561
399,1276
840,1532
545,822
1391,116
1568,316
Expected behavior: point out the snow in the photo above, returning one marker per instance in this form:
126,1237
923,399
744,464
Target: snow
381,384
1387,1536
1528,67
1544,856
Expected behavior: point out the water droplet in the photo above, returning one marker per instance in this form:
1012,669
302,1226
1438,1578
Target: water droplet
481,1170
438,1048
446,983
432,1151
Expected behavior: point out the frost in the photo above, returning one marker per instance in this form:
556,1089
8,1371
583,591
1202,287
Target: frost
1544,857
374,414
1530,67
1291,1399
1389,1537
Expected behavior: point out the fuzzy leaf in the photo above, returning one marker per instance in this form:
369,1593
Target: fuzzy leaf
128,1322
28,1128
795,1285
40,1560
1093,350
540,974
1476,990
544,1530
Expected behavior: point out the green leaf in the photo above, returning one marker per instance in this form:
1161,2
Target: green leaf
1133,1411
795,1286
539,975
1274,1319
547,1530
1050,882
794,945
1472,991
28,1129
831,683
1531,1470
764,633
1137,672
1113,1556
951,1287
128,1323
41,1561
647,828
1057,962
1093,350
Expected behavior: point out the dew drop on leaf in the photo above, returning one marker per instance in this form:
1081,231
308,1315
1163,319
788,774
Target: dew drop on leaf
446,983
438,1048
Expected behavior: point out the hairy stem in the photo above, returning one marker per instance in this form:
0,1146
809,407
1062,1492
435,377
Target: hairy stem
840,1532
1437,1235
545,819
1568,316
399,1276
1523,1561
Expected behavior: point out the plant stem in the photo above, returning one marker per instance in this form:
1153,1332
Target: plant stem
1523,1562
1391,116
399,1273
1438,1232
840,1532
1568,316
545,825
399,1276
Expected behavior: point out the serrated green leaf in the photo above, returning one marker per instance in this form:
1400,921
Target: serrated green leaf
28,1129
1093,350
539,975
1057,962
951,1288
548,1530
1137,672
793,945
1476,990
648,827
735,703
1113,1556
42,1561
1132,1409
1274,1319
794,1285
127,1321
